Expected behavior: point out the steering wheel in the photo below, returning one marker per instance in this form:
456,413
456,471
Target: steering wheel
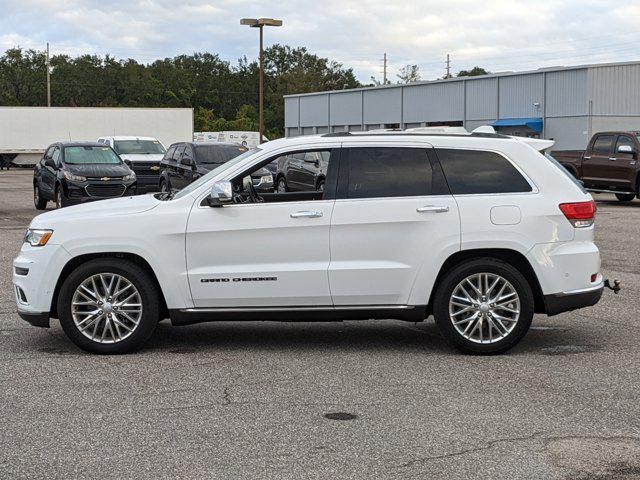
246,192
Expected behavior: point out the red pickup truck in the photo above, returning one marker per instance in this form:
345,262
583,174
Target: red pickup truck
610,164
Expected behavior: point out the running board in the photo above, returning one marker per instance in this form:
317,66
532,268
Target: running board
598,190
187,316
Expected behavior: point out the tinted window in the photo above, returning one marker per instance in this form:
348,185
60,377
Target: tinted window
178,153
56,156
603,144
389,172
141,147
169,154
474,171
217,154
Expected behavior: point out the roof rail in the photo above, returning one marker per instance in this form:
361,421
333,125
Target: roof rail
336,134
415,134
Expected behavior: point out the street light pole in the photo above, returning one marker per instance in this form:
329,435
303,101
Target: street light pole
261,101
260,23
48,78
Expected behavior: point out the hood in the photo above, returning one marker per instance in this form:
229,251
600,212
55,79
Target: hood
138,157
98,169
100,209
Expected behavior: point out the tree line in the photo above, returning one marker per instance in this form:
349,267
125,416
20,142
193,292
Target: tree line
223,96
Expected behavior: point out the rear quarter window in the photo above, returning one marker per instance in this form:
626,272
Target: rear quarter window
479,171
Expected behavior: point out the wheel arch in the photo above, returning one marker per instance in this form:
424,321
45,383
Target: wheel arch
78,260
512,257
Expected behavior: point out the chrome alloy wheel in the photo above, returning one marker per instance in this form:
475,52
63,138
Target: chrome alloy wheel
106,308
484,308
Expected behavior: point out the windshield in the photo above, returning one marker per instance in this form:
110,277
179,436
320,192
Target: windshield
217,154
216,171
566,172
90,155
138,147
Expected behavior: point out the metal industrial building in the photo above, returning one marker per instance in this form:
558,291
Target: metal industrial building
566,104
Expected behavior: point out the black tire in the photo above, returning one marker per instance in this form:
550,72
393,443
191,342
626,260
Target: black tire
164,186
133,273
282,185
320,186
58,197
625,197
456,275
38,200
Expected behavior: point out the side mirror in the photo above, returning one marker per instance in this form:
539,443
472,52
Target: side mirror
186,161
625,149
221,194
48,162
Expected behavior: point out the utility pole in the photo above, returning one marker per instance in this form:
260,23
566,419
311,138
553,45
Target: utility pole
48,78
448,74
384,69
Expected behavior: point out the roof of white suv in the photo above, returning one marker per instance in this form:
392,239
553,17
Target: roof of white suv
129,137
464,140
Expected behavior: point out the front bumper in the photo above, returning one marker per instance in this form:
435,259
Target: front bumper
77,193
35,273
36,319
147,183
568,301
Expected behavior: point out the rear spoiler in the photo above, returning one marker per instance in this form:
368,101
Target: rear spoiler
538,143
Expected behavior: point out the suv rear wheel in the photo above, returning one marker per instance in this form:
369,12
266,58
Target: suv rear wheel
108,305
483,306
625,197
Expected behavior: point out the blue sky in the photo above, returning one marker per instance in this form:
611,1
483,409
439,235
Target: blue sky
498,35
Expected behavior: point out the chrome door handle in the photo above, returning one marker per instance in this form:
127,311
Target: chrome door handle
306,214
433,208
586,158
612,158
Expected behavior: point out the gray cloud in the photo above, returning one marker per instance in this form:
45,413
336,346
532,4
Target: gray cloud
496,34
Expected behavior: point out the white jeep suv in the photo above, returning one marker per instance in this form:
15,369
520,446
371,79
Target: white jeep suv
481,231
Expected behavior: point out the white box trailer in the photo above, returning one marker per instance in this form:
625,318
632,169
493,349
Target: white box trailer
25,132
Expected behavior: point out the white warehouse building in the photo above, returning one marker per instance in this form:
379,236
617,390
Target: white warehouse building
566,104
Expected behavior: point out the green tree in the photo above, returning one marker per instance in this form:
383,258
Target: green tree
475,71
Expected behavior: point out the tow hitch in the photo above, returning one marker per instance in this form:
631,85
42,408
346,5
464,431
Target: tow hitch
616,285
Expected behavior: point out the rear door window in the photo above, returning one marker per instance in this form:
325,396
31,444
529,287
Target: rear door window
479,171
603,145
375,172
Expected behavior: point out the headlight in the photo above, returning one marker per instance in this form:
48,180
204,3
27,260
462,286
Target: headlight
131,176
74,178
266,179
37,237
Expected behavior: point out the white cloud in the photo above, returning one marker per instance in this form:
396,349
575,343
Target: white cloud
496,34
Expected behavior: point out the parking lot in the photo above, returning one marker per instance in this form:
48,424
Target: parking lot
249,400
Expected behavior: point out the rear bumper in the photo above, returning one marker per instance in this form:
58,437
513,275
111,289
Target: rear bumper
567,301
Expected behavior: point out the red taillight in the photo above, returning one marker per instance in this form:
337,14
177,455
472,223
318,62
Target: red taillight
580,214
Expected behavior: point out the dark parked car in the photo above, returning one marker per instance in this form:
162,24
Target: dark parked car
185,162
77,172
609,164
302,171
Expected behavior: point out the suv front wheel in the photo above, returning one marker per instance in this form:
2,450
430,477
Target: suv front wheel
484,306
108,305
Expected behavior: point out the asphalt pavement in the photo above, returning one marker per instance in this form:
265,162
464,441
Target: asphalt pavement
358,399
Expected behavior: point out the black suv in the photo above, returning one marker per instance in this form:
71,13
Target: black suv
187,161
302,171
77,172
